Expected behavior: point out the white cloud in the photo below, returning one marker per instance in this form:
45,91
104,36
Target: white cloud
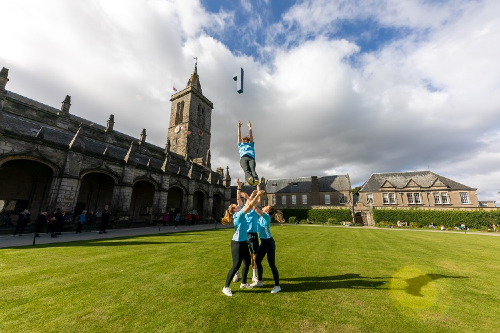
319,104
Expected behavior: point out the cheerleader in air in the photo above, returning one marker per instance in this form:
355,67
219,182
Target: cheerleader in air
247,155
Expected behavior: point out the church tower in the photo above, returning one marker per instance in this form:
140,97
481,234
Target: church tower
190,122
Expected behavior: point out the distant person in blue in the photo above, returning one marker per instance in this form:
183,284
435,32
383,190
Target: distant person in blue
247,155
239,245
267,246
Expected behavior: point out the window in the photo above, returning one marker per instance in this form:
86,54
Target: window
179,113
369,197
437,198
283,200
304,199
464,197
418,200
385,198
392,198
273,200
294,199
444,198
342,198
410,198
327,199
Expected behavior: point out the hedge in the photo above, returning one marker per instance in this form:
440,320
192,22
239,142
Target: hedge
318,215
476,219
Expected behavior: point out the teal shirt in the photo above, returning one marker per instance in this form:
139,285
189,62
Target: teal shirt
240,226
253,221
246,148
264,222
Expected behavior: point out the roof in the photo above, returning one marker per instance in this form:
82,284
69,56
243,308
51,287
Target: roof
402,180
333,183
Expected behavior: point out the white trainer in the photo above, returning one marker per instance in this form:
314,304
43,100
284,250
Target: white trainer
245,285
227,291
257,284
236,276
275,290
255,279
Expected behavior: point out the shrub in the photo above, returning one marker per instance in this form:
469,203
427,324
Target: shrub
292,219
448,218
332,220
303,221
318,215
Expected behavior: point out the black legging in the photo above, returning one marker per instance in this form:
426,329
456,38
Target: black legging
239,251
267,246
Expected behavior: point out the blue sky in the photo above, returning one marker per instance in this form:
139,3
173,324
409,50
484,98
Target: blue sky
332,87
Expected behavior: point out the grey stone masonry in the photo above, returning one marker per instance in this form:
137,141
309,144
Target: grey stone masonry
91,164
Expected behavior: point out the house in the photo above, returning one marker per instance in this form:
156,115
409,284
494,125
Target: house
307,192
424,189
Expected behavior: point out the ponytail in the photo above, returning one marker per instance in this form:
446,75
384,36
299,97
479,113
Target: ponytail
228,215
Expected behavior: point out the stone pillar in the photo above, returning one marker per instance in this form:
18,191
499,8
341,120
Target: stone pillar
63,193
120,202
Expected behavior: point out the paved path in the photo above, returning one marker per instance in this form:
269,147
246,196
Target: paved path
27,239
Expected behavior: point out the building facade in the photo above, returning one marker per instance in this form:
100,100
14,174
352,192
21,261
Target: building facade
309,192
52,159
419,189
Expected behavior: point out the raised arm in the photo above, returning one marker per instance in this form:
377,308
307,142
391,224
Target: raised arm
251,204
250,131
239,131
238,192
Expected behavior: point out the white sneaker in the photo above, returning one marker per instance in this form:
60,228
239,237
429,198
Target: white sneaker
258,284
236,276
255,279
227,291
245,285
275,290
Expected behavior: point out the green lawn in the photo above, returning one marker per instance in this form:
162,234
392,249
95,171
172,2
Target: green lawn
333,279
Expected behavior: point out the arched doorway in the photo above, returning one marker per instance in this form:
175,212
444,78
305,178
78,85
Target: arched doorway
360,219
141,206
198,203
96,191
174,199
25,184
218,208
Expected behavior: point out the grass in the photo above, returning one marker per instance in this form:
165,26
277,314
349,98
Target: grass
333,279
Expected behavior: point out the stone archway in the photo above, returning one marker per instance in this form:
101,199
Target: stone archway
141,205
25,184
96,192
175,200
199,203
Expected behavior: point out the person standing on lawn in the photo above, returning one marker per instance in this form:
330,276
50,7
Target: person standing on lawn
239,244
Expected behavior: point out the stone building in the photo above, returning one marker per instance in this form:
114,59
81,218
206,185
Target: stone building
418,189
51,159
308,192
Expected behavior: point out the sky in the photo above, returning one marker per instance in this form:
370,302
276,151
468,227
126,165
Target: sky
331,86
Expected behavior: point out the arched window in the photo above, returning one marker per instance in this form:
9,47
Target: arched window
179,113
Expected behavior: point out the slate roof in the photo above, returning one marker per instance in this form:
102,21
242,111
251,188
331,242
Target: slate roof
399,180
304,185
334,183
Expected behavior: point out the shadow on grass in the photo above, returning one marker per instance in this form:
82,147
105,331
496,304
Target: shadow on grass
356,281
416,284
344,281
